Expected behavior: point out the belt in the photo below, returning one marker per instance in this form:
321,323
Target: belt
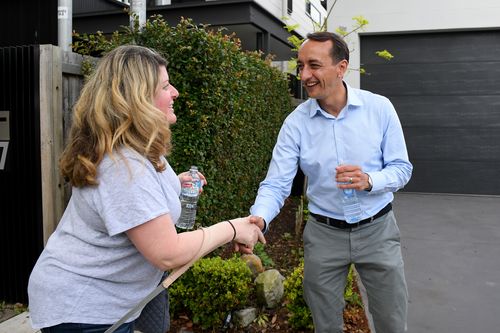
344,225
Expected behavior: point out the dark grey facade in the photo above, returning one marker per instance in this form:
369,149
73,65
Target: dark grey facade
446,89
26,22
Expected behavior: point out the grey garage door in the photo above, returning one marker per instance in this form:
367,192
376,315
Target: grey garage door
446,90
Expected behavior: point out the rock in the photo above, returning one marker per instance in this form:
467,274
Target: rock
269,285
254,263
245,317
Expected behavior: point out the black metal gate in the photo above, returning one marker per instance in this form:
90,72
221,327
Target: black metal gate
21,239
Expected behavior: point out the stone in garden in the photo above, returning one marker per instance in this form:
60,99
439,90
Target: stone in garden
269,285
254,263
245,317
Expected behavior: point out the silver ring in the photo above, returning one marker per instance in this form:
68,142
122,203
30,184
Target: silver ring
350,180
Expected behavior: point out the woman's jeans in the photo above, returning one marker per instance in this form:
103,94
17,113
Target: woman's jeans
87,328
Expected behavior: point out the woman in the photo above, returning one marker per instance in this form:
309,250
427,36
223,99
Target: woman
117,235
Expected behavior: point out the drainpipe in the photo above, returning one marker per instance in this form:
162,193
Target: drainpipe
65,24
138,7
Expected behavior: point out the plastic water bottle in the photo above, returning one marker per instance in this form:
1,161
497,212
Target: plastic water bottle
189,200
352,208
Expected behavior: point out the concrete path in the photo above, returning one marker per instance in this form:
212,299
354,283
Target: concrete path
18,324
451,247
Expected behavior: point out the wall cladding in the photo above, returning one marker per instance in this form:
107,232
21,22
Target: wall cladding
446,89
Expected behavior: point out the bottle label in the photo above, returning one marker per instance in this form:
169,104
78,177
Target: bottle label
190,189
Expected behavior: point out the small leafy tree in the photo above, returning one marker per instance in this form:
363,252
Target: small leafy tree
359,23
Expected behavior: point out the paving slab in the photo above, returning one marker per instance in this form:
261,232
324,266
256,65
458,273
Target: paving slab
18,324
451,248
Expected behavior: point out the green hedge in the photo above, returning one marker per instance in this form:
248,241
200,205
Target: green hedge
229,111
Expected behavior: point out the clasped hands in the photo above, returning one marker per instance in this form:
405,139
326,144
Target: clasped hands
246,248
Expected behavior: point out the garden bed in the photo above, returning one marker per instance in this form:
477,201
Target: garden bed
284,247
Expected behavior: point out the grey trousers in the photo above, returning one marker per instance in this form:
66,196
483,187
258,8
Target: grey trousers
375,250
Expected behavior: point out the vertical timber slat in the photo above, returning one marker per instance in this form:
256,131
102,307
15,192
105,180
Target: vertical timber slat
50,136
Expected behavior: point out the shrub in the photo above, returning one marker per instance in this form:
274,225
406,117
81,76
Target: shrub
350,295
210,289
300,316
260,251
230,108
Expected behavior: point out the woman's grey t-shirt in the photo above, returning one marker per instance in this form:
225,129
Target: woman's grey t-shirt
89,271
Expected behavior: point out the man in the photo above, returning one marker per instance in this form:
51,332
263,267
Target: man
342,138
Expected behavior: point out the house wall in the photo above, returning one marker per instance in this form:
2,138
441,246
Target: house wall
278,8
393,16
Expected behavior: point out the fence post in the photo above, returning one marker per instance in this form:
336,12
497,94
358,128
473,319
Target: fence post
51,137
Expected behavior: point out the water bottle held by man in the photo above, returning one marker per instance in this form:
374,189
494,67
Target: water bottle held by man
350,204
190,192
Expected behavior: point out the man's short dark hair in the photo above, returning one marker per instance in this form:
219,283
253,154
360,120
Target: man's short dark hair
340,50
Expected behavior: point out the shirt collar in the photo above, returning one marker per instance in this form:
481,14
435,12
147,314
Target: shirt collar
352,99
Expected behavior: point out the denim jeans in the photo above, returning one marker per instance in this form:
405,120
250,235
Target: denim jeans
87,328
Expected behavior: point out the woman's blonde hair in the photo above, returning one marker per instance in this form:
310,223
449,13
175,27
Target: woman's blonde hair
116,109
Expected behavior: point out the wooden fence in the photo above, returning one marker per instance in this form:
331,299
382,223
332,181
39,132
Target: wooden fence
61,80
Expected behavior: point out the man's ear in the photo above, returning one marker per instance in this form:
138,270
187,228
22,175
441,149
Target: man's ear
343,64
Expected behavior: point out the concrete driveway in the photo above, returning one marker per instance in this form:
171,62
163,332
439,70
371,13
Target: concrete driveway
451,247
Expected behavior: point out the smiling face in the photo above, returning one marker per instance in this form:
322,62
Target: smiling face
320,75
165,96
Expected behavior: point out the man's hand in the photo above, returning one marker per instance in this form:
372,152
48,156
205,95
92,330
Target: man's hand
351,176
259,221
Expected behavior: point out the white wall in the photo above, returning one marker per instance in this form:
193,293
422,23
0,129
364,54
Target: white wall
387,16
278,8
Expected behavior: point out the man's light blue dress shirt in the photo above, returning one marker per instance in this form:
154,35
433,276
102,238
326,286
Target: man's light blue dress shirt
367,132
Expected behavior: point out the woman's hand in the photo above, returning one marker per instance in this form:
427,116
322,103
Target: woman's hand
248,234
186,177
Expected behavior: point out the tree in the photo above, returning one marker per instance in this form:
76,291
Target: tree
359,23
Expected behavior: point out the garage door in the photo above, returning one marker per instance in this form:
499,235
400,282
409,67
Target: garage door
446,90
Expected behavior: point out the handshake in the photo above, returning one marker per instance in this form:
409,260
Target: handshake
248,231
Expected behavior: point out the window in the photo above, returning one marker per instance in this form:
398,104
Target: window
313,12
290,6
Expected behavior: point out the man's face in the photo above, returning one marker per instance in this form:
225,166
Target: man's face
319,74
